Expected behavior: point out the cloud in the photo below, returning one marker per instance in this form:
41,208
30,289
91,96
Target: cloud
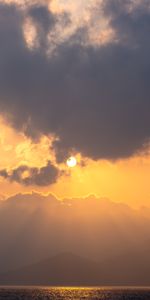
42,16
27,176
35,227
93,98
4,174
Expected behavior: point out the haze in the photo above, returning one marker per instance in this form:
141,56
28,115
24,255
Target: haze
75,83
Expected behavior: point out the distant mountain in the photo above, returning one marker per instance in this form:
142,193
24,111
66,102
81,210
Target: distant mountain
110,241
34,227
68,269
130,269
60,270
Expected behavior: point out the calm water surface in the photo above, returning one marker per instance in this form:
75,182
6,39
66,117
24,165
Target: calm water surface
75,293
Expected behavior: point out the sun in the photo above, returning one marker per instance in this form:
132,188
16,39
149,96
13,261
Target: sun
71,162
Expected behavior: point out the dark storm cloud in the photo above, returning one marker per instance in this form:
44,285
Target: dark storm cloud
42,16
4,174
44,21
25,175
95,99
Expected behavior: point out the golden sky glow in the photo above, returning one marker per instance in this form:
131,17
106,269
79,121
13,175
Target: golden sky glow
123,181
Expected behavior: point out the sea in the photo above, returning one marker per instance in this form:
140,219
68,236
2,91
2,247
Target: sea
74,293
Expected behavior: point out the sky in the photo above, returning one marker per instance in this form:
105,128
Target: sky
75,87
75,81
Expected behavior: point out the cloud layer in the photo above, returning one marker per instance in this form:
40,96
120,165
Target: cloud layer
27,176
91,95
35,227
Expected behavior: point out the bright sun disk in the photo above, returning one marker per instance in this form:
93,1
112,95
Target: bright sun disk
71,162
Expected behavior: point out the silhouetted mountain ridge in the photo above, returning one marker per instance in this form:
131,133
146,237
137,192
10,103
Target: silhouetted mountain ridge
62,269
67,269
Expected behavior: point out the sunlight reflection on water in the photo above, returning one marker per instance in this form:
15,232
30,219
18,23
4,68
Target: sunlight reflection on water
74,293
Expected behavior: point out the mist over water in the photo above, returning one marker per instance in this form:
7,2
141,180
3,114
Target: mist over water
75,293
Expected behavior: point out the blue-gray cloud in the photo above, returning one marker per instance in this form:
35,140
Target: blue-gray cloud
95,99
27,176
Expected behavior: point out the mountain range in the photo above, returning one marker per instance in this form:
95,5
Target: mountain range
86,241
67,269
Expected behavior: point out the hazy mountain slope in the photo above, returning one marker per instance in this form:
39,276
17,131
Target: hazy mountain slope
34,227
67,269
63,269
